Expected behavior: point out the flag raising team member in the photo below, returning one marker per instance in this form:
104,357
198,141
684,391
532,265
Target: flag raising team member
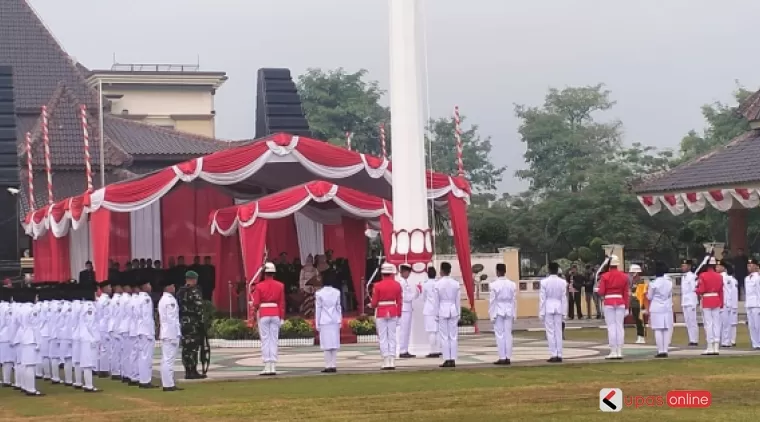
386,300
660,295
269,303
614,288
710,288
552,310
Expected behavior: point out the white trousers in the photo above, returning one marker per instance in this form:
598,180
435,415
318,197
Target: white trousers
386,335
502,329
104,353
331,358
753,324
613,317
661,339
692,327
725,324
168,357
406,331
145,358
115,354
126,347
711,320
134,358
448,332
553,325
269,332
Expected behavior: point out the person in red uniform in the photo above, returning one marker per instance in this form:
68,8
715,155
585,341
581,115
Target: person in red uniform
269,304
710,289
387,299
614,286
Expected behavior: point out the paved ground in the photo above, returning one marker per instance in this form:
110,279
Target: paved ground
473,351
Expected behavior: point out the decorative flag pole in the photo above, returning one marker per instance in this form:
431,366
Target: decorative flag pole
382,139
48,166
458,135
29,169
86,133
349,135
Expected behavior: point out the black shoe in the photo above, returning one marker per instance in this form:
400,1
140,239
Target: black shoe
55,382
33,394
693,344
661,355
733,344
325,371
37,377
125,380
500,362
17,388
406,355
78,387
46,378
116,377
147,386
173,389
68,384
91,390
433,355
333,370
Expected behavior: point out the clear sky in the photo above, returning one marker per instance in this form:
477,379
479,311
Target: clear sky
662,59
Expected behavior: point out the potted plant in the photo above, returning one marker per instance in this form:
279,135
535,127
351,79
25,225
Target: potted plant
467,320
296,332
364,328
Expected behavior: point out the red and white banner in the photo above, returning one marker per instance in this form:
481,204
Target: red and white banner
720,199
241,165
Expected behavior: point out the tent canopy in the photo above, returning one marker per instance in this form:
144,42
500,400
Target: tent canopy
267,165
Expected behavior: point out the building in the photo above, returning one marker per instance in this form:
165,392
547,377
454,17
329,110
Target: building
726,178
179,97
45,75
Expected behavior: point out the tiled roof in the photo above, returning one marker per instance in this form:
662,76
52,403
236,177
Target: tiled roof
733,164
39,63
143,139
65,185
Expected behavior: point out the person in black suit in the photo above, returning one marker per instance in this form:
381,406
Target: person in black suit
207,279
575,284
87,276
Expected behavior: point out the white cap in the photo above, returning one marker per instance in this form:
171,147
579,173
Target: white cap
388,268
712,261
614,261
635,268
270,268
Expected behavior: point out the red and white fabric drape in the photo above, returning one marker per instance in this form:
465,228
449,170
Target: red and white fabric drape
720,199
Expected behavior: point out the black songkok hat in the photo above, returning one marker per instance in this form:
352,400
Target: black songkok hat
686,262
753,261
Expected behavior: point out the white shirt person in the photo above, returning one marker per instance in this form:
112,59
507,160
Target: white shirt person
502,311
552,309
328,319
168,314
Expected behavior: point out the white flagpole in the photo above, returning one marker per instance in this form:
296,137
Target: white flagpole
102,139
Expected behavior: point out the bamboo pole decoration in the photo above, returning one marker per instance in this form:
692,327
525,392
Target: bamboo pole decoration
86,138
382,140
458,135
29,169
48,165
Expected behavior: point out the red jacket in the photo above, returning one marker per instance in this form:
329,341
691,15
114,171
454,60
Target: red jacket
710,287
269,298
387,298
614,287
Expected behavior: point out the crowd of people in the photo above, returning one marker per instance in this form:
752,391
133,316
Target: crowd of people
153,272
67,333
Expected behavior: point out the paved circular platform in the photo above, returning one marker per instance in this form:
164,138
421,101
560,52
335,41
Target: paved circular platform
473,351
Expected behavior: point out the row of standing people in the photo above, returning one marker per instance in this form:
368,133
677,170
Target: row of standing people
67,329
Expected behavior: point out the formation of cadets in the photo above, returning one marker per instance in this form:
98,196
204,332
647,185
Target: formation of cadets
69,334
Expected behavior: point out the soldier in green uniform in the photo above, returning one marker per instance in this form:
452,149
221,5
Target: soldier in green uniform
191,324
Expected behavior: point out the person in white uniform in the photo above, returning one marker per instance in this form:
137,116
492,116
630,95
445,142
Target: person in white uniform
6,356
410,293
146,336
76,309
552,310
89,337
65,326
689,301
660,295
430,314
103,312
730,293
56,309
328,317
114,330
44,370
502,310
168,314
448,298
135,302
752,302
27,340
734,307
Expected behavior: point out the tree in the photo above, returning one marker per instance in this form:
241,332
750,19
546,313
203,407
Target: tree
723,125
479,170
564,142
336,102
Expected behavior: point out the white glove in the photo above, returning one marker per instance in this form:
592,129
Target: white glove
645,312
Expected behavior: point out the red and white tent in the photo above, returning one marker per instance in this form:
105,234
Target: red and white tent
164,213
252,219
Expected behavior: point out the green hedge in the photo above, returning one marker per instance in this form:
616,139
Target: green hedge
364,325
467,317
237,329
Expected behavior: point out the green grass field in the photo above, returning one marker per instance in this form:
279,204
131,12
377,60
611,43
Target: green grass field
567,392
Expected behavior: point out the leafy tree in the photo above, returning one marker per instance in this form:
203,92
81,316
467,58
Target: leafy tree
336,102
479,170
723,124
563,140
